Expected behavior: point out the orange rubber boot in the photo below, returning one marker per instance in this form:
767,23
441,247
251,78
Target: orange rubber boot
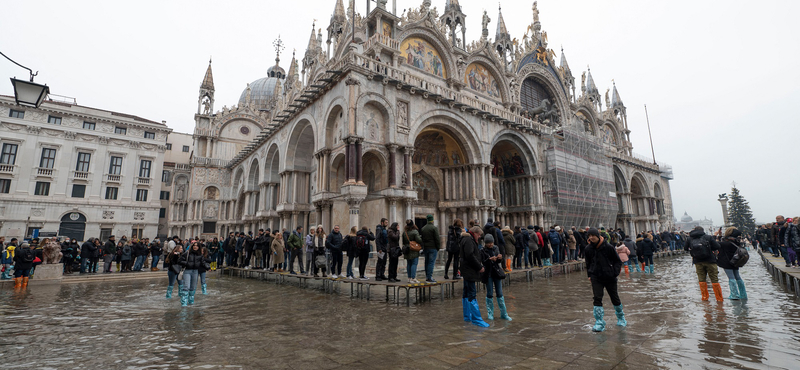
704,290
717,292
626,270
17,283
24,282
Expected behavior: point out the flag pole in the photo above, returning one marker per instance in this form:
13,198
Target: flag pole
650,134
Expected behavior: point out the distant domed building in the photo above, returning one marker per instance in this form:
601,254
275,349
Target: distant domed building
688,223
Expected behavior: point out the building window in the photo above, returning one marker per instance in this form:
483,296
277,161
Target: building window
169,146
9,155
115,168
83,162
78,191
120,130
54,120
165,176
186,149
144,168
111,193
164,195
141,195
16,114
5,186
88,125
48,158
532,94
149,135
162,213
42,188
209,227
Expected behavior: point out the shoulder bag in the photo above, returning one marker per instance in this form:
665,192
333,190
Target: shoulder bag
412,245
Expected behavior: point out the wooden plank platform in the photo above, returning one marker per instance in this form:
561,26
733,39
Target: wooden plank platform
787,277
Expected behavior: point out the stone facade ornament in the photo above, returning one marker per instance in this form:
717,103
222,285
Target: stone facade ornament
108,215
138,216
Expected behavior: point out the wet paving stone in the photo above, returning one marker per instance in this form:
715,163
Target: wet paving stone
249,324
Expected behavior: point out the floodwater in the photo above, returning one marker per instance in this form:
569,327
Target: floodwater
257,324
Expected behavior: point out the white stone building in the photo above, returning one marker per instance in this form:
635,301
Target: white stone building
399,116
77,171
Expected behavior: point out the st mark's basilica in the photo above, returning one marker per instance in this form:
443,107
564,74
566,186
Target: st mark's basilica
399,116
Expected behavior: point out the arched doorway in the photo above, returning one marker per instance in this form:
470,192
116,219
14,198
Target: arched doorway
513,182
299,177
640,204
73,226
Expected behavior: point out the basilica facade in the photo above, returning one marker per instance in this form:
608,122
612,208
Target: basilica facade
398,116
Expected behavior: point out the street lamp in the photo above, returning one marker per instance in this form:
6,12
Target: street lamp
28,93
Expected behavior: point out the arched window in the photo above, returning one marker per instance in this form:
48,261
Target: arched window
532,94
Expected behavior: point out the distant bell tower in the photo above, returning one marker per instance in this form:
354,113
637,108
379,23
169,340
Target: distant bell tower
205,101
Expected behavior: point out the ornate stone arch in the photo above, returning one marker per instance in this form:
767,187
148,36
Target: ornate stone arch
620,180
613,130
497,74
297,141
437,40
548,80
238,118
381,169
253,175
456,126
642,180
385,107
238,180
272,163
590,115
337,107
530,160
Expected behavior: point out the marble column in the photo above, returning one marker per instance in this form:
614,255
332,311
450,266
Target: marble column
355,206
359,163
407,152
393,211
392,165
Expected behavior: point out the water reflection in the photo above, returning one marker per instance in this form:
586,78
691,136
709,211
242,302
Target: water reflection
256,324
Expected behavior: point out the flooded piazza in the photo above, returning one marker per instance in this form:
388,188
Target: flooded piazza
256,324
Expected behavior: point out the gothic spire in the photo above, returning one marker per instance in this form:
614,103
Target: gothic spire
615,99
208,80
590,86
501,25
312,41
564,64
338,12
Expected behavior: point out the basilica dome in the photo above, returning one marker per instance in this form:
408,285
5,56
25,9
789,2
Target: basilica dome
262,89
686,217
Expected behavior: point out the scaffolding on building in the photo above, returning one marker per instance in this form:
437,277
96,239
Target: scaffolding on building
581,181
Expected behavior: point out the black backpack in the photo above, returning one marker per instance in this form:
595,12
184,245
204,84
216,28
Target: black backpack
361,243
26,255
740,257
700,248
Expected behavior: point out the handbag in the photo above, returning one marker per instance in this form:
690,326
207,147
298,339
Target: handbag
412,245
320,261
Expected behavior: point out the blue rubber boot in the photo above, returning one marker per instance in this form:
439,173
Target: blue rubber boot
742,292
191,297
734,286
465,306
620,316
475,311
652,268
637,267
169,291
489,309
184,298
205,290
599,323
503,312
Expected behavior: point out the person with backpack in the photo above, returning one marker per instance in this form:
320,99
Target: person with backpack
471,269
393,235
453,235
493,277
555,244
727,249
109,253
295,245
703,249
534,246
603,266
645,248
87,251
334,244
362,249
430,247
381,246
632,259
23,263
381,249
412,257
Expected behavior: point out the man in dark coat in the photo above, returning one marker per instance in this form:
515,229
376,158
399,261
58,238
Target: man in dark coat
704,249
471,270
430,247
603,266
381,246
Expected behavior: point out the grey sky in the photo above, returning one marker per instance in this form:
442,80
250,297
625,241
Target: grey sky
720,79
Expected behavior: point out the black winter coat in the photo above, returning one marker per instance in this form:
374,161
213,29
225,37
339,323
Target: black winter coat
694,234
88,249
602,261
191,261
334,241
727,249
645,247
470,258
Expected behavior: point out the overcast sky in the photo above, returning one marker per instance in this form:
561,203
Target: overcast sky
720,79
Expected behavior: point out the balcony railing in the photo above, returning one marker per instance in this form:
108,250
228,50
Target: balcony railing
44,172
7,168
143,180
382,40
113,178
80,175
211,162
183,167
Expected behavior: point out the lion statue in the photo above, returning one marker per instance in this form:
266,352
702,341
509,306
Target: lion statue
51,252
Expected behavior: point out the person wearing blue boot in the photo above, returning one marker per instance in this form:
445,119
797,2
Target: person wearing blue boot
173,269
603,266
493,277
205,266
728,248
471,270
191,261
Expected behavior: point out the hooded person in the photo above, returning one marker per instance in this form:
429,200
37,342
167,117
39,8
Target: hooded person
703,249
471,270
603,266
